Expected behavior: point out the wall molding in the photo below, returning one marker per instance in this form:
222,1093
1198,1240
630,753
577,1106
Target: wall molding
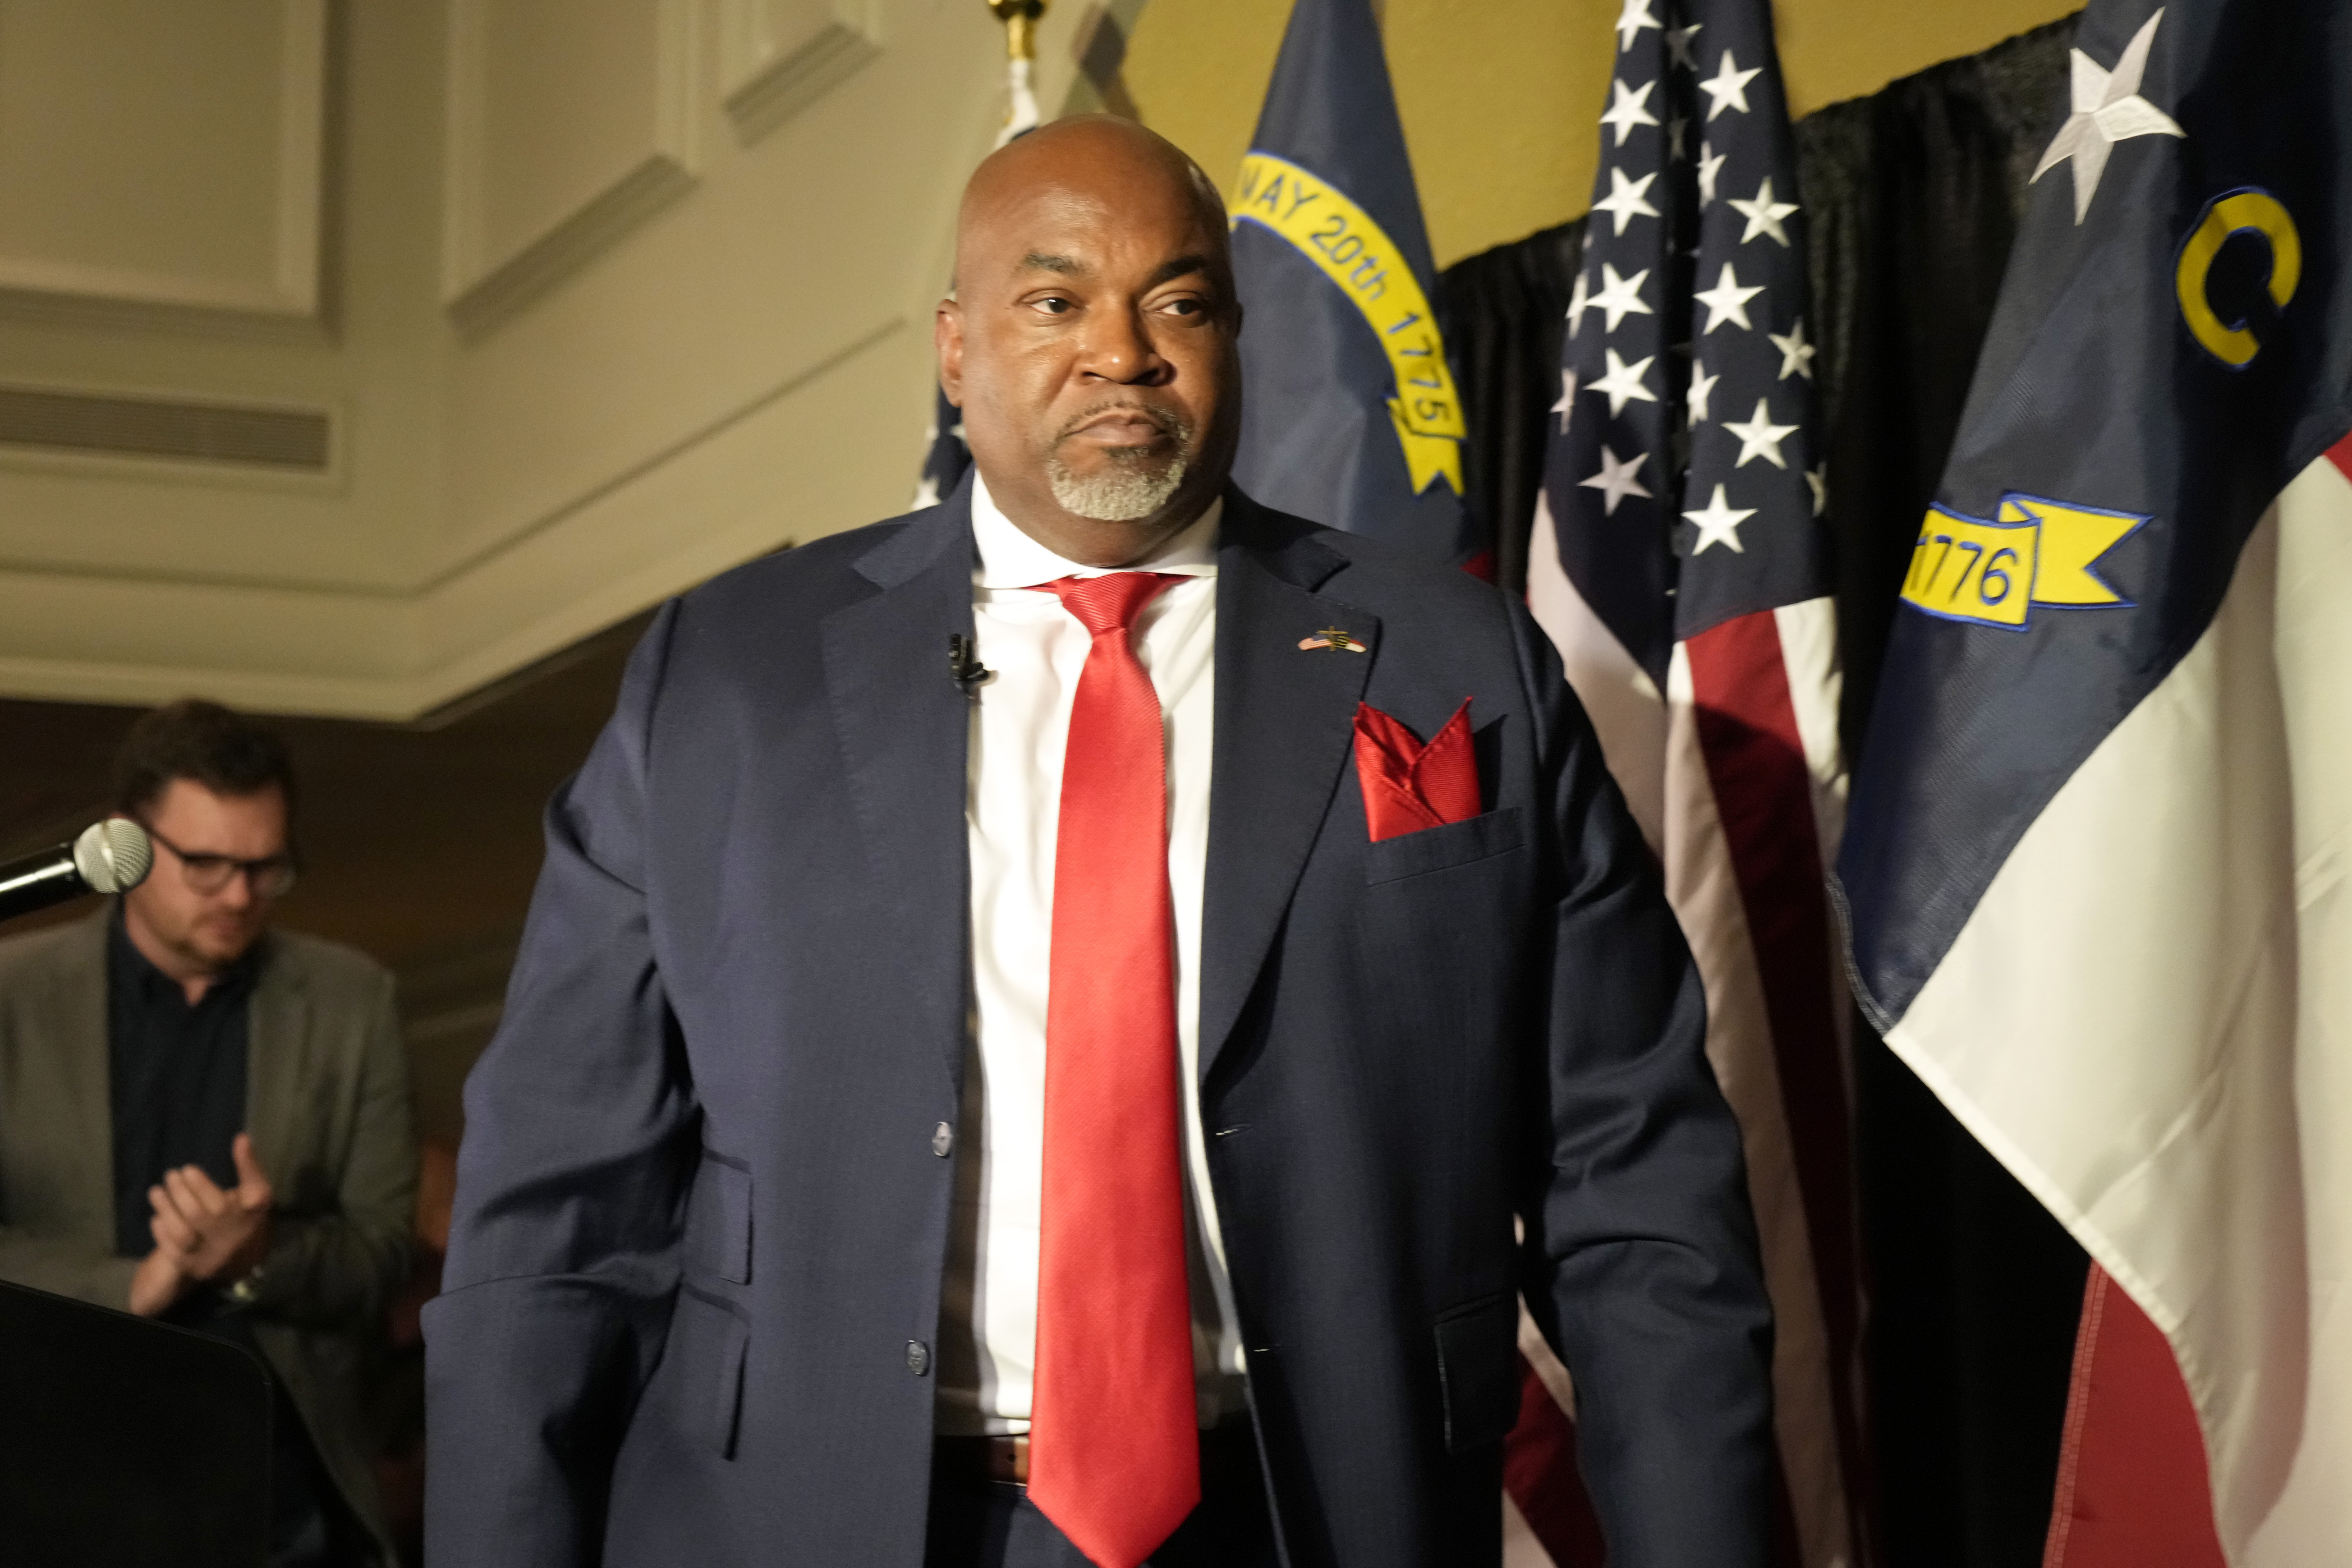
293,288
505,290
764,80
480,289
658,526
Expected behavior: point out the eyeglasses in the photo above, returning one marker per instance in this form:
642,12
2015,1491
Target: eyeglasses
269,877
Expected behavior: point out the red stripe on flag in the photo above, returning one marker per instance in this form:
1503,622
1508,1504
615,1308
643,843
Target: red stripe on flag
2340,455
1763,794
2132,1487
1539,1472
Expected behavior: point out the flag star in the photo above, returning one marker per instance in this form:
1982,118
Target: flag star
1677,124
1727,301
1578,302
1617,480
1626,111
1632,20
1796,353
1764,215
1679,45
1566,407
1818,477
1702,387
1626,200
1728,87
1759,437
1718,523
1709,165
2107,109
1619,297
1624,383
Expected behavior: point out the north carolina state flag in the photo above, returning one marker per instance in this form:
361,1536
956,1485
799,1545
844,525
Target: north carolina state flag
2099,863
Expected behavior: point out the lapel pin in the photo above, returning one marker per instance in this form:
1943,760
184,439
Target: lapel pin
1334,638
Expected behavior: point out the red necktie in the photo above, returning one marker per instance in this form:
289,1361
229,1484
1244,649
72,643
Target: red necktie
1114,1442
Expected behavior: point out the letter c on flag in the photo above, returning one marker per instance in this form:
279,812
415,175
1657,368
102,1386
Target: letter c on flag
2241,211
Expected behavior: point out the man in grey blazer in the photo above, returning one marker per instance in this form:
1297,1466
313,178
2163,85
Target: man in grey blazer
860,1135
206,1120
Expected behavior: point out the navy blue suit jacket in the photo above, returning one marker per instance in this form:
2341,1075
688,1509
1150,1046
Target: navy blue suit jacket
700,1222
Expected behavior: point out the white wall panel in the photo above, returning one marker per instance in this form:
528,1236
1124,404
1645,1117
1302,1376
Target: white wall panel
751,366
777,57
163,154
569,122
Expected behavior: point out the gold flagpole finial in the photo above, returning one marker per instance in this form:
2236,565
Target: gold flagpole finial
1020,18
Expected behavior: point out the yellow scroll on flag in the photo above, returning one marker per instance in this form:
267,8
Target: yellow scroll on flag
2033,551
1341,240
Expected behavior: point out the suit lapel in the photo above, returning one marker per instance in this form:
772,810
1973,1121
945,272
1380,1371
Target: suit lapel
277,1058
84,1038
905,731
1285,730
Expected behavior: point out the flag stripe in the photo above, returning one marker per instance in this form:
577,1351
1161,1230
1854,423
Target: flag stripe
2132,1484
1650,741
1764,796
1627,711
1703,883
1539,1472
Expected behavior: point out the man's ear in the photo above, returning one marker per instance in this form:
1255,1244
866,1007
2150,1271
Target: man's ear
947,338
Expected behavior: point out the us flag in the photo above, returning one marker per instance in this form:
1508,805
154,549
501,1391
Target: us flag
1681,564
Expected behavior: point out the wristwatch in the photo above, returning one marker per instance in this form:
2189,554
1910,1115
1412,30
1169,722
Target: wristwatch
247,1288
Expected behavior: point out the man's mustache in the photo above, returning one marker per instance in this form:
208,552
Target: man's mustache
1169,422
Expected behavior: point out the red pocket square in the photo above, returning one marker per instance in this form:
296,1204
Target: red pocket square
1409,786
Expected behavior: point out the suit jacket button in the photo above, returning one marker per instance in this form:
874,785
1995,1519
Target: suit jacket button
943,1140
919,1357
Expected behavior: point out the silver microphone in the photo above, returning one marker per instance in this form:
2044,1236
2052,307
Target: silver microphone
110,857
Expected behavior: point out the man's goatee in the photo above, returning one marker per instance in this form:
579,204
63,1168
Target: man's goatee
1122,495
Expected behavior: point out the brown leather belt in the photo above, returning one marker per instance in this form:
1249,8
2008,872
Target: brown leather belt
1007,1458
983,1458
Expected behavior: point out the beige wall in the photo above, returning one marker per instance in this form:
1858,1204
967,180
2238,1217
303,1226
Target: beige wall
602,295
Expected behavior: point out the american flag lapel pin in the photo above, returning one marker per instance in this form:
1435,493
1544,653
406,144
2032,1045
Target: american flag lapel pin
1333,638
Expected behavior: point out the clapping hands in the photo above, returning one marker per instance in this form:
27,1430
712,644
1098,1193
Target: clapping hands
202,1231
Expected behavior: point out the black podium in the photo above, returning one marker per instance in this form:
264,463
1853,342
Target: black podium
127,1444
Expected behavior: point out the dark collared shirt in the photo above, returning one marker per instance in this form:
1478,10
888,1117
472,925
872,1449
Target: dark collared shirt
177,1078
177,1085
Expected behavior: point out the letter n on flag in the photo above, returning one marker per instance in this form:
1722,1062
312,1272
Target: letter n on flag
1680,564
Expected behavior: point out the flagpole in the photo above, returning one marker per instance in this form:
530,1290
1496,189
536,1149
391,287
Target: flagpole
1020,18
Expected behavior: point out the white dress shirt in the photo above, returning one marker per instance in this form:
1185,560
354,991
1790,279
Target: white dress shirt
1020,723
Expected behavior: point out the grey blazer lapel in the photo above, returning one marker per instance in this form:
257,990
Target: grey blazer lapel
905,731
78,1005
277,1069
1285,731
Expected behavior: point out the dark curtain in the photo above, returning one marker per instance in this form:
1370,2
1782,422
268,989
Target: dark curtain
1912,197
1503,312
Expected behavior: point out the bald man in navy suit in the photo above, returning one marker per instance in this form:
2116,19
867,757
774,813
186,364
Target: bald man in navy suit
874,1168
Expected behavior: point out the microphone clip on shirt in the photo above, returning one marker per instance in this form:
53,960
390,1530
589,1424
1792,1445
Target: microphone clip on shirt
964,666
